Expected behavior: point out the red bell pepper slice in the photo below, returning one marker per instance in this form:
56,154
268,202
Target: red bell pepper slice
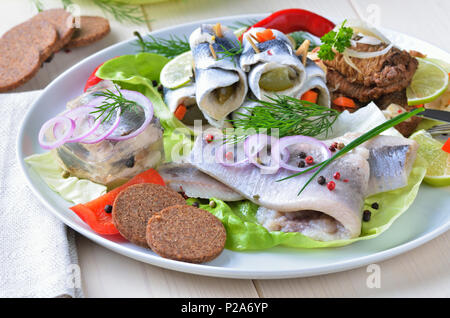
93,79
446,146
291,20
93,212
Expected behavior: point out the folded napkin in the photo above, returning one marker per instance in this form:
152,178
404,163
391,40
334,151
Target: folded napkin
37,251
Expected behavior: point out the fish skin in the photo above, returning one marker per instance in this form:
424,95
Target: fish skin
212,73
344,203
194,183
281,55
174,97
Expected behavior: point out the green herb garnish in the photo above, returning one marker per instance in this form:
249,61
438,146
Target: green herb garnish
113,101
300,37
170,48
122,12
289,115
355,143
230,53
333,40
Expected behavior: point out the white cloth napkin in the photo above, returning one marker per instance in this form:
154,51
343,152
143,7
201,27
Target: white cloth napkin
37,252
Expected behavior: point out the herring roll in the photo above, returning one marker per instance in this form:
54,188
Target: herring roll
221,86
272,64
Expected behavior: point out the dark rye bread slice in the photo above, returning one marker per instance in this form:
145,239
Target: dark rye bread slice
62,20
135,205
185,233
92,29
37,33
18,63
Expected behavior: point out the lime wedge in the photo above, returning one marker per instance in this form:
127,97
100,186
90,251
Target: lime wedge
438,172
441,63
178,71
428,83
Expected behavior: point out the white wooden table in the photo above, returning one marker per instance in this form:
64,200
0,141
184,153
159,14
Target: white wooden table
423,272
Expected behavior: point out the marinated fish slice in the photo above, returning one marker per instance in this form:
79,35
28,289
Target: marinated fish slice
313,70
343,204
275,69
194,183
221,85
244,109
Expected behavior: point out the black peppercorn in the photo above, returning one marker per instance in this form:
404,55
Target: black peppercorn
195,204
130,162
302,155
375,206
160,88
154,83
366,215
108,208
301,164
321,180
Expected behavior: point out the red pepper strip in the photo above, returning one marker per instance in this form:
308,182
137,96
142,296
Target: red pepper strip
291,20
446,146
93,79
93,212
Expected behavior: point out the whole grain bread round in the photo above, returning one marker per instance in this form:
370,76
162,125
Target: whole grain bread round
185,233
135,205
62,20
92,29
37,33
18,63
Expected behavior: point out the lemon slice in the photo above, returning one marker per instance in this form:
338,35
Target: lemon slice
428,83
178,71
438,172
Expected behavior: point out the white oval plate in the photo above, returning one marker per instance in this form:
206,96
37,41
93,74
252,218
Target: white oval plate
425,220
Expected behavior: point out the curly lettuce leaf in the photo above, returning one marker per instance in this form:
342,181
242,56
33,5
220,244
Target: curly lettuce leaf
244,233
71,189
136,72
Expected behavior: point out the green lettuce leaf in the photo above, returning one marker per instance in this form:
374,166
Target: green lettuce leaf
244,233
71,188
136,72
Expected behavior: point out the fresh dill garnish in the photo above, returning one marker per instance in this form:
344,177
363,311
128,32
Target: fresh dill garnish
122,12
300,36
112,101
289,115
333,40
66,3
240,25
355,143
38,5
230,53
170,48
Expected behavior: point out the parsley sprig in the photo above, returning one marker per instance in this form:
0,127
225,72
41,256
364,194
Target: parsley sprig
333,40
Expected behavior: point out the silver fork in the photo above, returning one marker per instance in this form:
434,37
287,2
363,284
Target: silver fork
439,129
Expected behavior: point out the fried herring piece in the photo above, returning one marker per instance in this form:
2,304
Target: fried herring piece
395,66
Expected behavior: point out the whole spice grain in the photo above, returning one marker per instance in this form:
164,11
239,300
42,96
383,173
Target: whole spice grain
366,215
321,180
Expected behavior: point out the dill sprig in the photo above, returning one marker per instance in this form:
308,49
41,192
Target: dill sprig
38,5
355,143
122,12
230,53
289,115
170,48
112,101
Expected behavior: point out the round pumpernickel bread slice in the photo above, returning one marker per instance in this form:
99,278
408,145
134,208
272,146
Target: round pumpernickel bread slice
135,205
63,22
18,64
37,33
185,233
92,29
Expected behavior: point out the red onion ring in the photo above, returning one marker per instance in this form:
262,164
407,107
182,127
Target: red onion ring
292,140
259,141
142,101
103,136
68,123
75,114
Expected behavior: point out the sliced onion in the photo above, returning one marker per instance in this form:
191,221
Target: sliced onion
142,101
96,137
285,142
349,61
253,147
222,151
368,55
78,114
68,126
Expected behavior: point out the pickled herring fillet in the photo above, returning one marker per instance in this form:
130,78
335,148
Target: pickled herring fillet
186,178
343,204
275,60
221,86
